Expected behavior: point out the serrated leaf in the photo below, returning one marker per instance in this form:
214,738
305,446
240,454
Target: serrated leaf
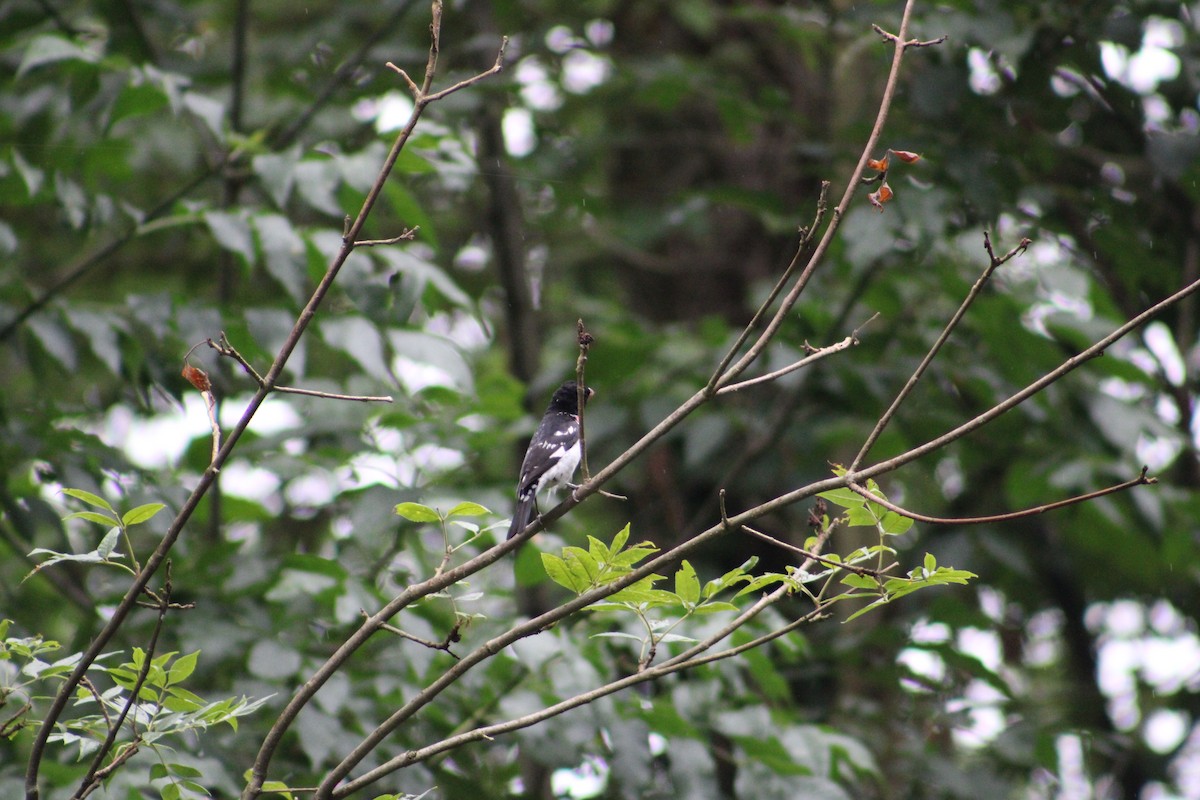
90,499
598,550
871,607
687,585
468,509
761,582
137,99
561,574
142,513
863,516
857,581
415,512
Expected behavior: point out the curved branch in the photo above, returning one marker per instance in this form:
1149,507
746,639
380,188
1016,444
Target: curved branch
1140,480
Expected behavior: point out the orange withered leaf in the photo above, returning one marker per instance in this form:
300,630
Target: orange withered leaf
906,156
196,377
880,197
878,164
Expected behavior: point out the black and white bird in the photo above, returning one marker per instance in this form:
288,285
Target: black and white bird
553,454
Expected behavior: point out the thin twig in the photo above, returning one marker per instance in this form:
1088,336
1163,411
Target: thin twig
224,348
1140,480
820,559
87,785
407,236
818,353
663,561
455,635
273,738
585,341
993,264
356,398
793,295
891,37
687,660
807,232
156,559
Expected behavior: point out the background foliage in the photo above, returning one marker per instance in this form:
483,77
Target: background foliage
170,170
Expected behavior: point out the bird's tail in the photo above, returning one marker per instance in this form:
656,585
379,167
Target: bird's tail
522,515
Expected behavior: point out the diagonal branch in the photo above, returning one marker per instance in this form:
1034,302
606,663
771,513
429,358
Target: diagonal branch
128,602
993,263
839,213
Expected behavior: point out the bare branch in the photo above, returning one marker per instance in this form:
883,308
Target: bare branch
406,236
455,635
891,37
1140,480
224,348
793,295
693,657
911,384
818,353
813,556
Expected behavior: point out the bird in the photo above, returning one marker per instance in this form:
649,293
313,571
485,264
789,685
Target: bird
553,454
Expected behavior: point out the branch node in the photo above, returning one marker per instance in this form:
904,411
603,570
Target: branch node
406,236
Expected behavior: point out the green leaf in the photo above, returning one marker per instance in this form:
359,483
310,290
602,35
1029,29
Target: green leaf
170,791
415,512
276,172
628,558
845,498
598,550
930,563
137,99
90,499
687,585
140,514
712,608
92,516
894,524
857,581
618,542
183,667
558,571
467,509
49,48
